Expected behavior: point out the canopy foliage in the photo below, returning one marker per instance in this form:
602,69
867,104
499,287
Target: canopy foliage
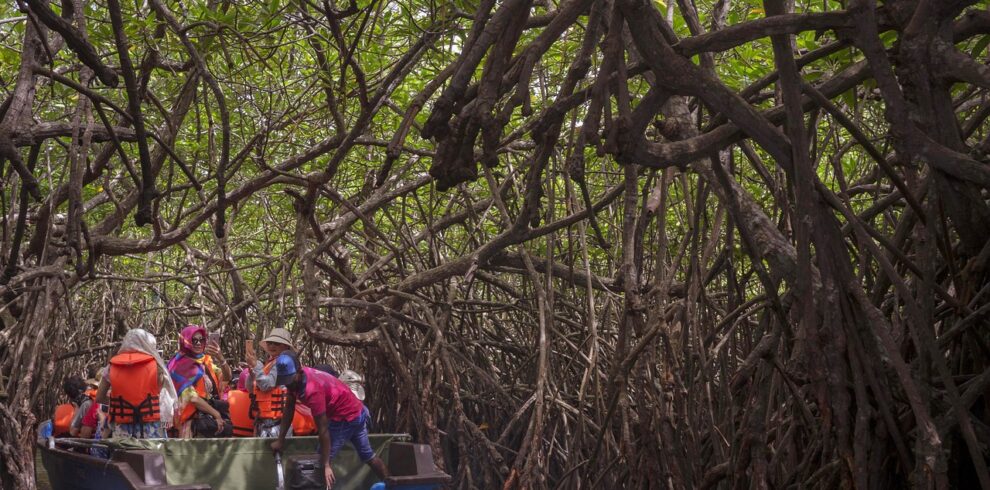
578,243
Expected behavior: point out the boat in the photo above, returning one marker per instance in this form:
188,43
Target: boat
230,464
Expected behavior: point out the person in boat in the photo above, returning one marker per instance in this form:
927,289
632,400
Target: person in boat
86,406
91,422
269,397
243,410
94,423
242,379
137,389
339,416
224,385
196,371
303,423
326,368
93,418
74,388
241,417
353,380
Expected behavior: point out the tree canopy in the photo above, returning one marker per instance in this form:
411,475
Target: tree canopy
575,243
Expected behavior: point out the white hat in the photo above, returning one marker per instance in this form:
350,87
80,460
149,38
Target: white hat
279,336
353,381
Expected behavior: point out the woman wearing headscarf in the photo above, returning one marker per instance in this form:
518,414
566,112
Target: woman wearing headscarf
138,389
196,378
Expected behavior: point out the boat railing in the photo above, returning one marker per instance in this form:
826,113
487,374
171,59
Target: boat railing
74,442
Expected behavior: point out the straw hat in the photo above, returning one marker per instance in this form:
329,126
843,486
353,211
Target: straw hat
279,336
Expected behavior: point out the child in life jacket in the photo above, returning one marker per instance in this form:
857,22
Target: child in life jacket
268,396
137,387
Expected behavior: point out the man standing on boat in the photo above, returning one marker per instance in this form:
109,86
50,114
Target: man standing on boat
267,395
340,417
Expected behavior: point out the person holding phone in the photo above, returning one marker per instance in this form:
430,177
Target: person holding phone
196,371
268,396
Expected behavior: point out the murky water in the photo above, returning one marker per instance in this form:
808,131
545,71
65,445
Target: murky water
40,475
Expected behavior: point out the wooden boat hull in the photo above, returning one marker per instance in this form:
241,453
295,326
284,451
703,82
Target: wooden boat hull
235,464
69,470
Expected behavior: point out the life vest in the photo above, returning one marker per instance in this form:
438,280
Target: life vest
62,419
269,403
135,388
200,387
240,413
302,421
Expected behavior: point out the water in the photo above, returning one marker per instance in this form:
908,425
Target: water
40,475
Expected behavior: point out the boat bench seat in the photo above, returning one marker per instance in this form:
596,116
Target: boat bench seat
412,466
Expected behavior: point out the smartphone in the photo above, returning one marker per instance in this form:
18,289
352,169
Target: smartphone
214,337
249,346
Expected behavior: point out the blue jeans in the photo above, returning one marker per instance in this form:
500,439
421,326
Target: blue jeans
353,431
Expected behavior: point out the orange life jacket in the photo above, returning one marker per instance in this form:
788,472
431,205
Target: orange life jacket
302,421
135,388
200,386
64,413
62,419
240,413
270,403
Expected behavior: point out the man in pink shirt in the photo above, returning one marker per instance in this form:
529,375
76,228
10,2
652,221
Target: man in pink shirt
340,417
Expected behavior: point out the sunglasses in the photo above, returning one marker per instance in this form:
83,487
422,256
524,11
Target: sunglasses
198,340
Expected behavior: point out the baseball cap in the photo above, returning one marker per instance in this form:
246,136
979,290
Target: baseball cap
287,364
